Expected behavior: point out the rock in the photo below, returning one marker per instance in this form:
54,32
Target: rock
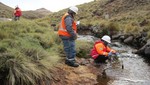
115,37
121,38
129,39
145,49
116,44
85,62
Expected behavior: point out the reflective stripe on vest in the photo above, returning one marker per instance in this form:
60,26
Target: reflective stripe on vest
62,27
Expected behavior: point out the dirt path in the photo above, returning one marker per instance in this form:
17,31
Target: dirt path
82,75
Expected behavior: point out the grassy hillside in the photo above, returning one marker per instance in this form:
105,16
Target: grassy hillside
7,12
35,14
28,50
129,16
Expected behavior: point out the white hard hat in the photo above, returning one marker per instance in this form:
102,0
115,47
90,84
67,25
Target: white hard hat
106,38
74,9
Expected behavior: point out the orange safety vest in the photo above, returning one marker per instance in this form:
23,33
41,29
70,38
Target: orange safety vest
62,28
100,49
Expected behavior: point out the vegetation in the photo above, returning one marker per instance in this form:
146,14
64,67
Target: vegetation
83,49
126,16
35,14
5,11
30,48
27,52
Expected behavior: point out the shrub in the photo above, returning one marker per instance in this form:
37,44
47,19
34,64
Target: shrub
16,69
23,61
3,35
129,28
83,49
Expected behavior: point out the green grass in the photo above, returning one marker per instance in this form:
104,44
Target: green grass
29,49
27,52
121,18
83,48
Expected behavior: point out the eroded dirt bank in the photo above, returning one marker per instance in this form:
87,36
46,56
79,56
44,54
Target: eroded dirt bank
85,74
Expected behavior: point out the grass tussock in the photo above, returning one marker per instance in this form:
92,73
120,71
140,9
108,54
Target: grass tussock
125,18
26,52
132,29
83,49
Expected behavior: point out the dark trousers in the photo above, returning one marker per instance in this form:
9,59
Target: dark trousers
16,18
100,59
69,48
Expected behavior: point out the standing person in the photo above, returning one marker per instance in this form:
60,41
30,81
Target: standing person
101,51
17,13
68,33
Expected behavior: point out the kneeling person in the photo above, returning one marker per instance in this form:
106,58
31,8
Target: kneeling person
101,51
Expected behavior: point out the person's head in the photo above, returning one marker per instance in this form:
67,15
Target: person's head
73,10
17,7
106,39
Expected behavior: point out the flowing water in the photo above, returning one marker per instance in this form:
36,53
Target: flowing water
136,69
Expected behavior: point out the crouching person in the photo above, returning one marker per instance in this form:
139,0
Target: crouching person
101,51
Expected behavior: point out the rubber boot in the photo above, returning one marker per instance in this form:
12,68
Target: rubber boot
71,63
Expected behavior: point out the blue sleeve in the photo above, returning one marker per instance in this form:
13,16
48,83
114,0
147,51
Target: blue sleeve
68,22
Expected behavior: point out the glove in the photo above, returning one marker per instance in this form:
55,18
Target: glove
109,54
117,54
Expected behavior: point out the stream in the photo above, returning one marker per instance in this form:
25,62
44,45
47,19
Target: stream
136,69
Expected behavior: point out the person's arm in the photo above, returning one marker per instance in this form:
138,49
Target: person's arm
99,49
68,22
14,12
110,50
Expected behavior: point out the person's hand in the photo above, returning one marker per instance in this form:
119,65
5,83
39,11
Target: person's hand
117,54
75,37
113,51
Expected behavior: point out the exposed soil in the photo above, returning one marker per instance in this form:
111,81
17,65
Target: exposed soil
82,75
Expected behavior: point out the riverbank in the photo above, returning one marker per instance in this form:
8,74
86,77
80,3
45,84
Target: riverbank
83,75
89,74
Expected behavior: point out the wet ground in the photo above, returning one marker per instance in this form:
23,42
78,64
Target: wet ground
131,69
136,69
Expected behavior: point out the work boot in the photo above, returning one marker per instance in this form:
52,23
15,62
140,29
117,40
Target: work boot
71,63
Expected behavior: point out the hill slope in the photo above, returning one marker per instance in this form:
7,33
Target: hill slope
34,14
97,9
126,15
7,12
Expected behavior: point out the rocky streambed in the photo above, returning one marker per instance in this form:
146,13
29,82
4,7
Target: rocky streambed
135,70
